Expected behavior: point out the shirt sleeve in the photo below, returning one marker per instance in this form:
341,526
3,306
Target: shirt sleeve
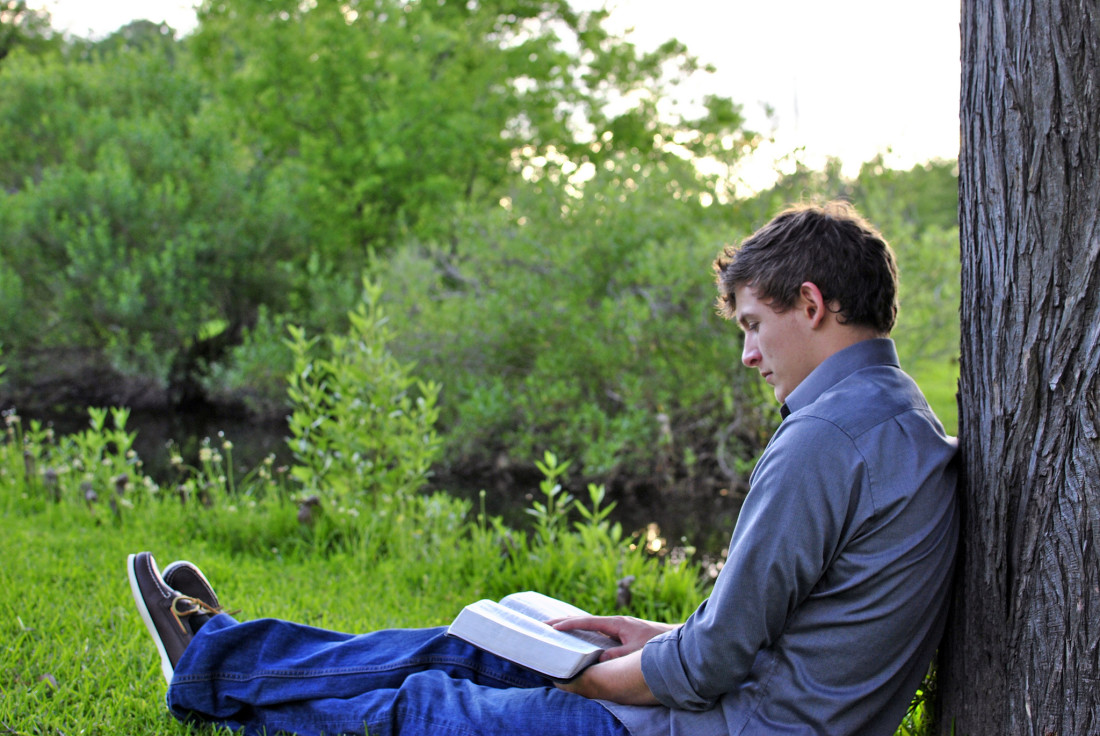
804,493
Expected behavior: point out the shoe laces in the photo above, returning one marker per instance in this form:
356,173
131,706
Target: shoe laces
197,606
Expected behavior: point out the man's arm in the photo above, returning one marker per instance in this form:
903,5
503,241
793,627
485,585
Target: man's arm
790,526
619,680
618,675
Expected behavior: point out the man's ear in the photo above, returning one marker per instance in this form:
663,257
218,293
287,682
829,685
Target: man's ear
812,303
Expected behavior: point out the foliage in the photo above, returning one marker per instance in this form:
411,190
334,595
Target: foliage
170,204
97,467
581,323
544,237
579,317
920,719
362,425
431,108
253,372
132,229
24,27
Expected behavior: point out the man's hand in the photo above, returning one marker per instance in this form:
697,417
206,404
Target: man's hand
631,632
618,675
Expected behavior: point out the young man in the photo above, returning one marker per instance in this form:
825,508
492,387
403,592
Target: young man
823,620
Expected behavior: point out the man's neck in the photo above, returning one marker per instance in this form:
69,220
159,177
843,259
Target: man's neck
838,336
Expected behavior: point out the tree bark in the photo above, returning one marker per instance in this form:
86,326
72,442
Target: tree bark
1022,654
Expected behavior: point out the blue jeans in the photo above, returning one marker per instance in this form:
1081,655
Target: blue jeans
270,676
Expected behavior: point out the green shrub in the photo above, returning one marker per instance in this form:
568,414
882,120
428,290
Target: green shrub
575,552
362,427
583,324
136,229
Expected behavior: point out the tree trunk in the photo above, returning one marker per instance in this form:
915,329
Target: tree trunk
1022,655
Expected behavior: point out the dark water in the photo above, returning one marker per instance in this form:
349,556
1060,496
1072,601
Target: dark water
702,515
160,433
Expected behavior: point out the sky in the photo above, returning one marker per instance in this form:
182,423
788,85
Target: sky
848,79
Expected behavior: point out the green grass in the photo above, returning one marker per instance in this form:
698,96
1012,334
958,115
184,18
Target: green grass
76,657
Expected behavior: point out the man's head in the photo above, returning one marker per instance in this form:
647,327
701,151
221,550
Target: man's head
809,283
831,246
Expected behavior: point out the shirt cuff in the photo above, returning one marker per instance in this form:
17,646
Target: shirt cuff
666,676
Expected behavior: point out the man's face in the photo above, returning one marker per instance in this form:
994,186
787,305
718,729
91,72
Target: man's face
775,342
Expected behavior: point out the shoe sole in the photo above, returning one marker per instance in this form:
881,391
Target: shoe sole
165,663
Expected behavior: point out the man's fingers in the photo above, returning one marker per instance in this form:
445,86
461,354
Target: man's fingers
616,652
602,624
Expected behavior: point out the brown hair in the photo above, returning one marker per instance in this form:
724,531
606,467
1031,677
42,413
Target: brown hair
831,246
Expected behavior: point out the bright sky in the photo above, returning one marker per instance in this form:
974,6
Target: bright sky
850,79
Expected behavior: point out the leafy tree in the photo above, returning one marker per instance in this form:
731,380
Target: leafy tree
404,115
362,425
22,26
133,231
137,35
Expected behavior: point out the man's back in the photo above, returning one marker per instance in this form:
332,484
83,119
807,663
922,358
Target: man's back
847,537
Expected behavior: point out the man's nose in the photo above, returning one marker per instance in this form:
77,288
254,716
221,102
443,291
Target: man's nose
750,355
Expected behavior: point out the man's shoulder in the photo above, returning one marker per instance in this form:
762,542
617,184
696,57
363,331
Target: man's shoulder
865,399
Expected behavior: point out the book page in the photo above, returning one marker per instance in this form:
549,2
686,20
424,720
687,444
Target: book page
533,627
544,608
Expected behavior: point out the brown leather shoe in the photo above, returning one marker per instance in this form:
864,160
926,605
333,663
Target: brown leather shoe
164,610
188,579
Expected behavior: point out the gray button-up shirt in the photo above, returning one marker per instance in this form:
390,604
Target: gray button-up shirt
833,598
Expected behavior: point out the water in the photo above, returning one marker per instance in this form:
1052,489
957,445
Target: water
161,433
699,514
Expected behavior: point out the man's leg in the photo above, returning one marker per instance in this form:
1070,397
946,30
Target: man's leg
269,676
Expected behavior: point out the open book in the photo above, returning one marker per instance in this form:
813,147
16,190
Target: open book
514,629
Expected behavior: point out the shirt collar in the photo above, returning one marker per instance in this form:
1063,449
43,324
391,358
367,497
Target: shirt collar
838,366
